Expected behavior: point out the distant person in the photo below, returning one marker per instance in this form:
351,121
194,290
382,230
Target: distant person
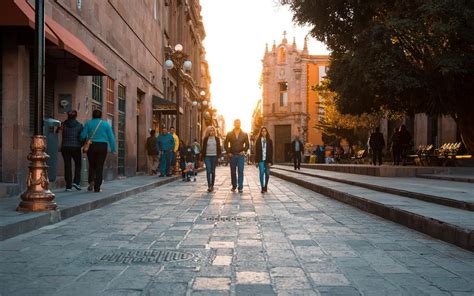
297,149
376,143
71,150
236,144
395,145
165,145
197,153
405,140
100,133
264,157
175,150
187,159
211,152
152,153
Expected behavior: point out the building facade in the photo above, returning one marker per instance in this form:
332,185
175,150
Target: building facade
99,55
289,106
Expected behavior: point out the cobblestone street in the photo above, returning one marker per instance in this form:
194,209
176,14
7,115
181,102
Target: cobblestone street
180,240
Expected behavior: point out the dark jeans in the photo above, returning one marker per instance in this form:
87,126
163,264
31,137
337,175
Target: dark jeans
264,170
297,160
165,162
237,161
69,154
96,155
377,156
211,162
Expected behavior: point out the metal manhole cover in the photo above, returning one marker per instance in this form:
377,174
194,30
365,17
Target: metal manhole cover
231,219
146,256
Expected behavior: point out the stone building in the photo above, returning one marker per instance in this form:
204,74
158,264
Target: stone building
289,106
99,55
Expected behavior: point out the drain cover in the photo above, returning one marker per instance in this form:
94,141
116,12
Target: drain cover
146,256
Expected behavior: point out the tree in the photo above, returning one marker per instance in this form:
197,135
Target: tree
412,56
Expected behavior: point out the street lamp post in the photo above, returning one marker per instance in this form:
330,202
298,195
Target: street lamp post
202,105
38,197
178,60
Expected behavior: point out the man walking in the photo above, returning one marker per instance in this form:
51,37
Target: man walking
165,144
236,144
71,150
175,150
376,143
152,153
297,149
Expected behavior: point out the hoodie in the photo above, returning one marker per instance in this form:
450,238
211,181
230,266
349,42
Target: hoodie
72,133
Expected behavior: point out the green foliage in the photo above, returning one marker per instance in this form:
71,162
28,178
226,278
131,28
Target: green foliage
411,56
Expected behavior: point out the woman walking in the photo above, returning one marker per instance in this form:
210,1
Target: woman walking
264,157
211,151
100,133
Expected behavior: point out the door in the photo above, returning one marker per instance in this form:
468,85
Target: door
282,142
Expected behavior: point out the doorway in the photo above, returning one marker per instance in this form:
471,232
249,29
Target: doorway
282,143
141,133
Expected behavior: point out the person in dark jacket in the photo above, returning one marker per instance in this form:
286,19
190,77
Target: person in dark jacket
264,157
151,153
396,146
405,140
236,144
376,143
211,152
297,148
71,150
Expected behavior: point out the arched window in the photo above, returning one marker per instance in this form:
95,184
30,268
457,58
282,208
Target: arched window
282,55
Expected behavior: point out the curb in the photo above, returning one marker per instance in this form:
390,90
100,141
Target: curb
38,220
463,205
435,228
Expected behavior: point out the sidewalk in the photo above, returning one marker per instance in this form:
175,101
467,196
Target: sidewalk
13,223
442,209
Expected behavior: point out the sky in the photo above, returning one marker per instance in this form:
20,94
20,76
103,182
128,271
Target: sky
236,33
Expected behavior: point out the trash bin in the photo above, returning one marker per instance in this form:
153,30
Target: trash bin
52,140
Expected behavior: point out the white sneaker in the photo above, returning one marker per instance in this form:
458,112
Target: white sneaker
68,189
77,186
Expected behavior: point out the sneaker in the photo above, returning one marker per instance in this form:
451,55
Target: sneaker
77,186
90,187
233,189
209,189
264,189
194,179
68,189
241,190
97,190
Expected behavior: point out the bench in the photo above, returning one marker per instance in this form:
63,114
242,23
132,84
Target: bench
359,156
422,155
447,153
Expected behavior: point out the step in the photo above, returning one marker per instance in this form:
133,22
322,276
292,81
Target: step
452,225
458,198
9,189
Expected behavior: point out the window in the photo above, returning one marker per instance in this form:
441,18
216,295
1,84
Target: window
121,98
110,101
283,94
97,93
282,55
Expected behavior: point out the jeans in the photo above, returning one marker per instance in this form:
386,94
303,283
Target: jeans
264,174
69,154
377,156
237,161
96,155
165,161
297,160
211,162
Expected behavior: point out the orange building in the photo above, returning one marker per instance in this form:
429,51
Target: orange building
316,71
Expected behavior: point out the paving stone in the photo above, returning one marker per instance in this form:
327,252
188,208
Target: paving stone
254,290
330,279
205,283
222,260
253,278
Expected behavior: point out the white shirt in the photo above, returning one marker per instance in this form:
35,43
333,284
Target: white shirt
264,149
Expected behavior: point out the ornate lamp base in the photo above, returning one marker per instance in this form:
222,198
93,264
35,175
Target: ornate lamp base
37,197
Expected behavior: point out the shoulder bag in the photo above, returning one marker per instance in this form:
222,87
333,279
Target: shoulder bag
88,142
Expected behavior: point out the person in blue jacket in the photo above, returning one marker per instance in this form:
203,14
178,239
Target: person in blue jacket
100,133
165,145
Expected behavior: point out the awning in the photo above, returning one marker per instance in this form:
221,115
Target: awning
163,106
21,13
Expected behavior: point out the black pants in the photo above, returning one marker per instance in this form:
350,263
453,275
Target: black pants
96,155
297,160
377,156
69,154
396,154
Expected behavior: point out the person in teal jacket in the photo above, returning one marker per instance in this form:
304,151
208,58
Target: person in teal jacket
100,133
165,144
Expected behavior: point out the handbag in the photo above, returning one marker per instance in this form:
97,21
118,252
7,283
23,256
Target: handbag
88,142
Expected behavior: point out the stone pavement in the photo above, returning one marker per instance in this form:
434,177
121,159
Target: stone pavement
180,240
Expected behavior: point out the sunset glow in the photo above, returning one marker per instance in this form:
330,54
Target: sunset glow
235,43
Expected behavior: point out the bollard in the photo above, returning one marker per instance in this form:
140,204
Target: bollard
84,171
